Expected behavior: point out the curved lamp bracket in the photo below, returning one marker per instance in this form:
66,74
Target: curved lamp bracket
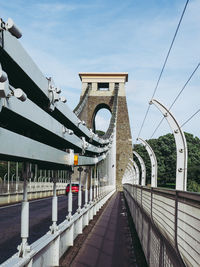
132,173
181,146
137,172
143,168
126,178
154,165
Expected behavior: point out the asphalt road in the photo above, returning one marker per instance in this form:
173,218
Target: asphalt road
40,221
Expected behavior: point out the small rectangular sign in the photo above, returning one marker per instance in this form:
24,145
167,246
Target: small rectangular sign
75,159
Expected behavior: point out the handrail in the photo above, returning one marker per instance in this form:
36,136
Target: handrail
173,216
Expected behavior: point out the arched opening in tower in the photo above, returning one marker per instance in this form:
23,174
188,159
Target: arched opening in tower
101,121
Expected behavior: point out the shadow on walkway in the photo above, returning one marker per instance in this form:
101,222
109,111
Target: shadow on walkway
112,241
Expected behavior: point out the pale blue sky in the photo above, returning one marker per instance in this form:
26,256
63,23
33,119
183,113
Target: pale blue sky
67,37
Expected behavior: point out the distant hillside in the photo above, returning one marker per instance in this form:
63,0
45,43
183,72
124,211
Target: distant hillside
165,151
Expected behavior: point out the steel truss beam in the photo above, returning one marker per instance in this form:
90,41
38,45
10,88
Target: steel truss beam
31,116
25,149
17,62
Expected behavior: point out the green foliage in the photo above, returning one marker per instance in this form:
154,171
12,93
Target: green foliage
100,133
165,151
193,186
4,169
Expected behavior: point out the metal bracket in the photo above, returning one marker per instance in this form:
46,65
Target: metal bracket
154,165
23,250
66,130
4,88
54,94
92,134
84,145
181,146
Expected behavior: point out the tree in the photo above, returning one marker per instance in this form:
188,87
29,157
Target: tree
165,151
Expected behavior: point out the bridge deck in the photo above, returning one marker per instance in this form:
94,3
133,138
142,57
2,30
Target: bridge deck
110,241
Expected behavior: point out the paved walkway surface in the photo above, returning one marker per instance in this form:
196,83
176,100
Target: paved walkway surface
109,243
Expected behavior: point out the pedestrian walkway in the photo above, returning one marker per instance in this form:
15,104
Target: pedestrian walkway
109,243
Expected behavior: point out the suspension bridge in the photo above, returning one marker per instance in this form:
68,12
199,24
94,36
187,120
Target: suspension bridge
50,146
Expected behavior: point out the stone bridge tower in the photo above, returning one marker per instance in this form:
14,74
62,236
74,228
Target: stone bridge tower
98,93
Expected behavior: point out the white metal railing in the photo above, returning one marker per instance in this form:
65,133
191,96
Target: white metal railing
32,187
167,222
47,250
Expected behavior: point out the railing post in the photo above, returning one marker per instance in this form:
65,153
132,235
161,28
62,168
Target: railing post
87,213
91,170
17,177
80,169
97,181
95,173
8,184
176,227
79,223
36,170
54,256
86,187
30,185
54,227
70,198
95,190
24,248
91,211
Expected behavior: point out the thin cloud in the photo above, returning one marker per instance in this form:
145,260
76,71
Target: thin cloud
57,7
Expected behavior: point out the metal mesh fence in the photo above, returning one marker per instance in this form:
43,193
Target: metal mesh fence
167,222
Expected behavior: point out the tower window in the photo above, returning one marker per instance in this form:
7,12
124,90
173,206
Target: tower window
103,86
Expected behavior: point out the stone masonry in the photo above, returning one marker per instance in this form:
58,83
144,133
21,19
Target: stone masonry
97,100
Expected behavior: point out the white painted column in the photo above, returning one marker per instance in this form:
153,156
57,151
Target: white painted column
70,198
86,187
91,170
17,177
24,248
8,183
80,169
54,227
95,173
